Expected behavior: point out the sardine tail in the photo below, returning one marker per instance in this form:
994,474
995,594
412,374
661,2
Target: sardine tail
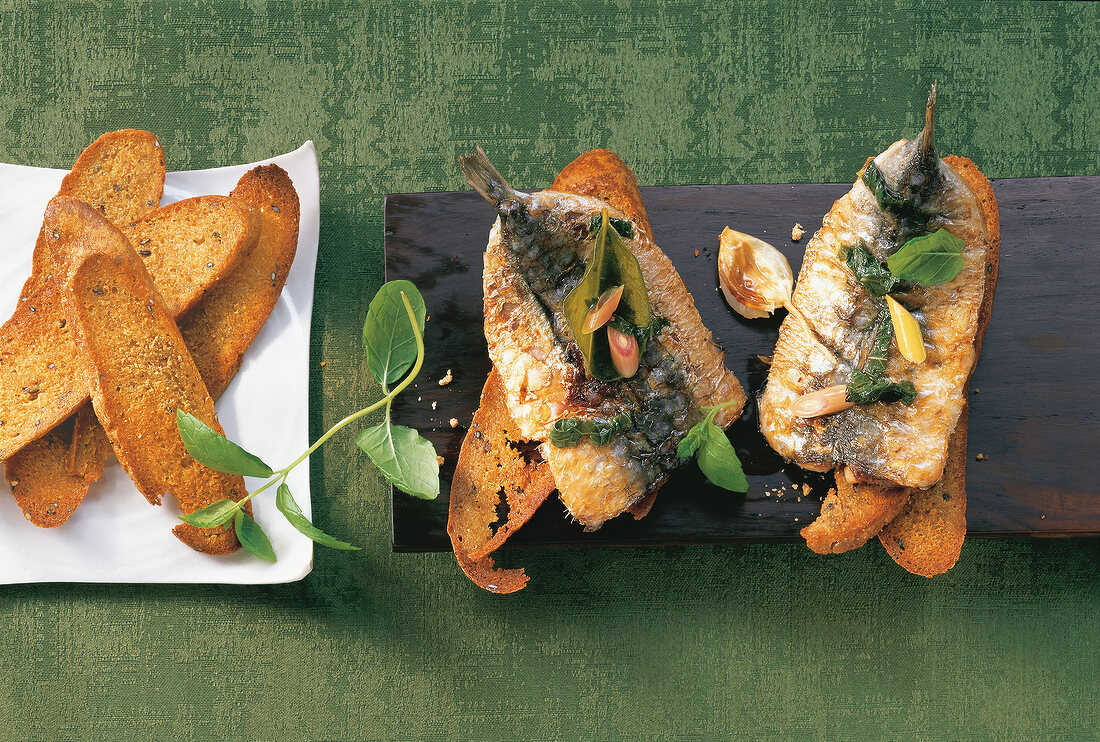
484,178
927,145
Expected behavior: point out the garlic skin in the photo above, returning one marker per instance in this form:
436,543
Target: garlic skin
755,277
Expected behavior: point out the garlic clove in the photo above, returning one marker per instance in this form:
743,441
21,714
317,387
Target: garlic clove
906,332
625,354
601,312
755,278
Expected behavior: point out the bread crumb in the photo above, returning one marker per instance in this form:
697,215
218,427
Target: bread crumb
454,422
979,457
805,489
434,405
322,364
446,379
797,232
696,253
439,460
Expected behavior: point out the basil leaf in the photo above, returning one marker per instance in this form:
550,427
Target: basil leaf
568,431
252,537
868,270
865,388
718,460
642,334
405,459
929,260
288,507
388,334
212,515
622,226
610,264
210,448
690,443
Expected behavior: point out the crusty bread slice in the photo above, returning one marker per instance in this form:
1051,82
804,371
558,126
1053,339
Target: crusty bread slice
489,465
491,468
927,537
223,326
40,481
852,514
191,245
133,359
121,175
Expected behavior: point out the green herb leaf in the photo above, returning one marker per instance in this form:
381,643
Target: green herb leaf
622,226
642,334
405,458
212,515
714,453
387,332
252,537
690,443
887,197
865,388
879,355
288,507
610,264
718,460
929,260
568,431
868,270
210,448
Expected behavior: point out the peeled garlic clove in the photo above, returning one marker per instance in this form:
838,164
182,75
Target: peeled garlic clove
822,402
625,354
906,332
755,277
601,312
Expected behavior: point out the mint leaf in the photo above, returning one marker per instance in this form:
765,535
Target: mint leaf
405,458
388,335
210,448
252,537
212,515
718,460
929,260
289,508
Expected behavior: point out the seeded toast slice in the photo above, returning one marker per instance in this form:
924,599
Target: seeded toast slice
223,326
121,175
134,360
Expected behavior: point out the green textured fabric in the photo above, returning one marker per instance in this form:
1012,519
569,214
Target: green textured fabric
736,642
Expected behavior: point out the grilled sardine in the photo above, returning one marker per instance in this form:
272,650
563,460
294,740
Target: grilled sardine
537,254
836,321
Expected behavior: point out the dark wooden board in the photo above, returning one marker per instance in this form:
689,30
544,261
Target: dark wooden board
1035,415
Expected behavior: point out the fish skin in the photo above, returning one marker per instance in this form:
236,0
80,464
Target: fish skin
891,443
535,256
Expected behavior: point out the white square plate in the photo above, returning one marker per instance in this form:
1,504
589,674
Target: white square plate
116,535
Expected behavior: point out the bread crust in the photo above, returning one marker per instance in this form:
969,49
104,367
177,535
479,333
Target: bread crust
139,371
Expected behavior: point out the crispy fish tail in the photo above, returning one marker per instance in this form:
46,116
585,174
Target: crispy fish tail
484,178
927,145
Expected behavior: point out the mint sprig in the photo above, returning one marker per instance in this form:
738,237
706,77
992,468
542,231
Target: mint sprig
393,336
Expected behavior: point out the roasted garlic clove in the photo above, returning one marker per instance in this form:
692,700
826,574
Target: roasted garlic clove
625,353
906,332
755,277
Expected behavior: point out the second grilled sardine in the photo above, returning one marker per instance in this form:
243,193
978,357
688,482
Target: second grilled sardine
888,442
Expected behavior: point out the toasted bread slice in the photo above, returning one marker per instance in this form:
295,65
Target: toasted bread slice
927,536
191,245
40,480
223,326
492,470
140,372
121,175
489,465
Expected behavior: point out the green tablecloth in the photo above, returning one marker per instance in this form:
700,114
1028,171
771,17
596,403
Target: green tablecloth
745,642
